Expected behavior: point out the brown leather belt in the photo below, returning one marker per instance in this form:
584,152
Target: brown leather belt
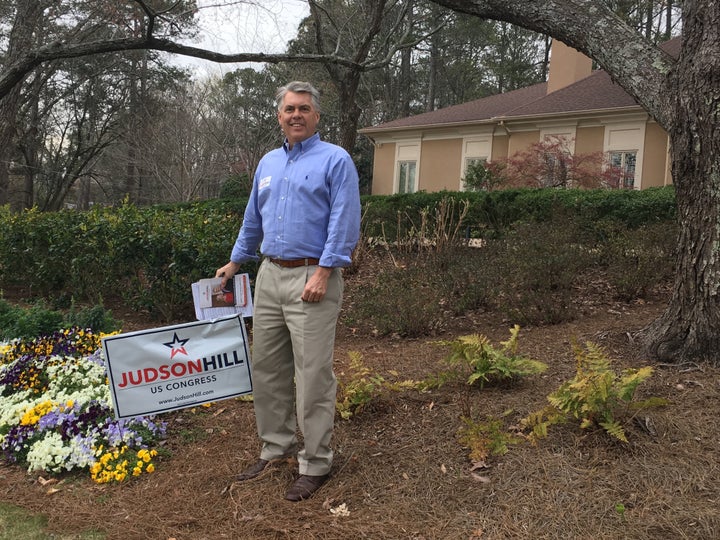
294,263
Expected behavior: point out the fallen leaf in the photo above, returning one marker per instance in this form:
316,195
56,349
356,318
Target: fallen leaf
51,491
477,534
44,482
341,510
479,465
443,468
480,478
219,411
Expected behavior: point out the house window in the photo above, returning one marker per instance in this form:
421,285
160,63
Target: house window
623,169
406,176
474,161
476,177
555,170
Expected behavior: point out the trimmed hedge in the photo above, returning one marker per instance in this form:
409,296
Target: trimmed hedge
150,256
493,212
146,256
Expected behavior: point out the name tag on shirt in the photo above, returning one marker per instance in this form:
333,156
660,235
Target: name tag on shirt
264,182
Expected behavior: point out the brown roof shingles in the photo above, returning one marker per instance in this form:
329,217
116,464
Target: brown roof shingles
595,92
472,111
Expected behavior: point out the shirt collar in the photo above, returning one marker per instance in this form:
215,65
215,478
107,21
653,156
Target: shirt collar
302,146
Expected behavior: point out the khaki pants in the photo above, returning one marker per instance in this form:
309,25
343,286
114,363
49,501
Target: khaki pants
292,365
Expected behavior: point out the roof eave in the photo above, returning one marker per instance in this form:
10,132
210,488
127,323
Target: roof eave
503,119
415,127
566,114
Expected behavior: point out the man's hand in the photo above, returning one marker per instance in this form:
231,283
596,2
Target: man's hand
227,272
316,287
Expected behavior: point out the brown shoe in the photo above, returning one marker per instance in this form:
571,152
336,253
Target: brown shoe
254,470
305,486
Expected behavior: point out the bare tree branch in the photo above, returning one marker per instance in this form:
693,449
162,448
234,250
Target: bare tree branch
19,69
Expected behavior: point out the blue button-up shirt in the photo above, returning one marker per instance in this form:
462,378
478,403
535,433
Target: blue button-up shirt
305,202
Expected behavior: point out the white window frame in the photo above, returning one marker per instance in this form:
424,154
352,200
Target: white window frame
623,184
627,137
411,166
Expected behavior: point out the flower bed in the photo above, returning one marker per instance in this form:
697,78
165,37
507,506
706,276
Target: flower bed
56,414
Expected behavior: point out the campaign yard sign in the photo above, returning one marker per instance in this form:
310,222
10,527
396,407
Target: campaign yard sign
174,367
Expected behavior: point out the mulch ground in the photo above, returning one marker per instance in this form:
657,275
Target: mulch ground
401,473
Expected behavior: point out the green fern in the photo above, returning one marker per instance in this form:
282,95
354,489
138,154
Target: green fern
489,364
360,388
485,438
596,396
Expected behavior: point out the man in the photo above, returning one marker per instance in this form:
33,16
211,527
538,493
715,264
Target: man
304,214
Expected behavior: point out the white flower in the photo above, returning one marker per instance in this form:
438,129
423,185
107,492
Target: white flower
48,454
78,380
82,452
13,407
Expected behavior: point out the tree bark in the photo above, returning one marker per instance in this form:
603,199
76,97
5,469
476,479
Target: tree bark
688,329
20,40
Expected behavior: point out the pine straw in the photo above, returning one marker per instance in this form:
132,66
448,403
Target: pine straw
402,474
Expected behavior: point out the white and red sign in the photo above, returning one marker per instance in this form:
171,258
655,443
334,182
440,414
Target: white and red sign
174,367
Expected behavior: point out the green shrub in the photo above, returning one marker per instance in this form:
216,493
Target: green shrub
638,260
148,257
95,318
541,263
28,323
40,320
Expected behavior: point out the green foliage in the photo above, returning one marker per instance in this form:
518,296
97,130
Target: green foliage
529,267
484,439
27,323
146,256
237,186
357,387
479,177
596,396
95,318
40,320
491,212
489,364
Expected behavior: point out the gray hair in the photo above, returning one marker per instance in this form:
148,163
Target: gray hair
299,87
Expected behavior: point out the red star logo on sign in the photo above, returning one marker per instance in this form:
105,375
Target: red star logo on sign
177,346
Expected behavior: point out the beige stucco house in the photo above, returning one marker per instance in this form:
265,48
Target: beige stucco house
431,151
